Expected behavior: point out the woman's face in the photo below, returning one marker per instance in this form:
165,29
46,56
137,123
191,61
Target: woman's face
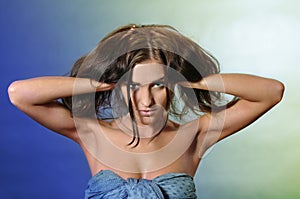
148,93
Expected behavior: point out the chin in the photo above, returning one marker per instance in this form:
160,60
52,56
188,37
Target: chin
145,121
155,120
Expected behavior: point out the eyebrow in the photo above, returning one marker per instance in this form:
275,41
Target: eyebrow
157,80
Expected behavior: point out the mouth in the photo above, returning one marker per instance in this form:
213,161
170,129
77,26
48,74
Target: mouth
146,112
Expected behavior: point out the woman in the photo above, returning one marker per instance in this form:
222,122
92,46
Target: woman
145,105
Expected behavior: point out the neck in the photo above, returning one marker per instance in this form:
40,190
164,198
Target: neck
146,131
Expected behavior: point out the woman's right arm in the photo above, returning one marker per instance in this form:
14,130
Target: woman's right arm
37,97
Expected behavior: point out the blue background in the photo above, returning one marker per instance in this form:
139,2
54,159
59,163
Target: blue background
43,37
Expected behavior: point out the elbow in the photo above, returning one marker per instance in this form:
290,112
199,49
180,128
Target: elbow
14,93
278,91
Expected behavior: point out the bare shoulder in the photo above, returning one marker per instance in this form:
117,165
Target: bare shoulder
206,134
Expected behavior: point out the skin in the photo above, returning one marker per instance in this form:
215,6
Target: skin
37,98
149,98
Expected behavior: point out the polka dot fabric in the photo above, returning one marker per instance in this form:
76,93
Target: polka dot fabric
108,185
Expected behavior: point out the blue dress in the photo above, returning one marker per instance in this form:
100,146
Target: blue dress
108,185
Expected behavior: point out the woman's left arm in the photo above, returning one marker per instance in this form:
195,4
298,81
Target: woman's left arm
256,96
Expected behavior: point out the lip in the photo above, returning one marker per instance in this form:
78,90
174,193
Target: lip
146,112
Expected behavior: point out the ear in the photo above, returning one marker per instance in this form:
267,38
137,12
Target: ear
171,87
171,93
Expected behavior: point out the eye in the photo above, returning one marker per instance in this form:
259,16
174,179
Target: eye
158,85
134,86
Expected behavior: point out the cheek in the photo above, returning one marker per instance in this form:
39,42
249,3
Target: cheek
124,91
124,94
161,97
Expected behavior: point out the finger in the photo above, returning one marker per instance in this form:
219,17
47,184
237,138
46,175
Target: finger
105,86
185,84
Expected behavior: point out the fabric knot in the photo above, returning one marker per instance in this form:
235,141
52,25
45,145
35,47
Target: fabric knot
138,181
108,185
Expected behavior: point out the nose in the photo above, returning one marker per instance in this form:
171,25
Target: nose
145,96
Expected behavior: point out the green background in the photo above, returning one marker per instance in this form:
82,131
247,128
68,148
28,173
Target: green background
258,37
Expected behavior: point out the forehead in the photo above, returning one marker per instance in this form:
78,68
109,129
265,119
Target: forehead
147,72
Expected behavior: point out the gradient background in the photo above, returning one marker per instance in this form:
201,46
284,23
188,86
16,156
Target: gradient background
261,37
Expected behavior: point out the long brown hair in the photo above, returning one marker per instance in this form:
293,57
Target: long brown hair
118,52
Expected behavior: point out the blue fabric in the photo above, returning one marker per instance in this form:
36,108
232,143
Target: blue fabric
108,185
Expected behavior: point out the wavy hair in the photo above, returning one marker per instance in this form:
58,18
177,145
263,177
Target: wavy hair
118,52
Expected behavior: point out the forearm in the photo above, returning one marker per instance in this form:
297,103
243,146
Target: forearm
248,87
45,89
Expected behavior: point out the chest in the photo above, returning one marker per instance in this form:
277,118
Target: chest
170,151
